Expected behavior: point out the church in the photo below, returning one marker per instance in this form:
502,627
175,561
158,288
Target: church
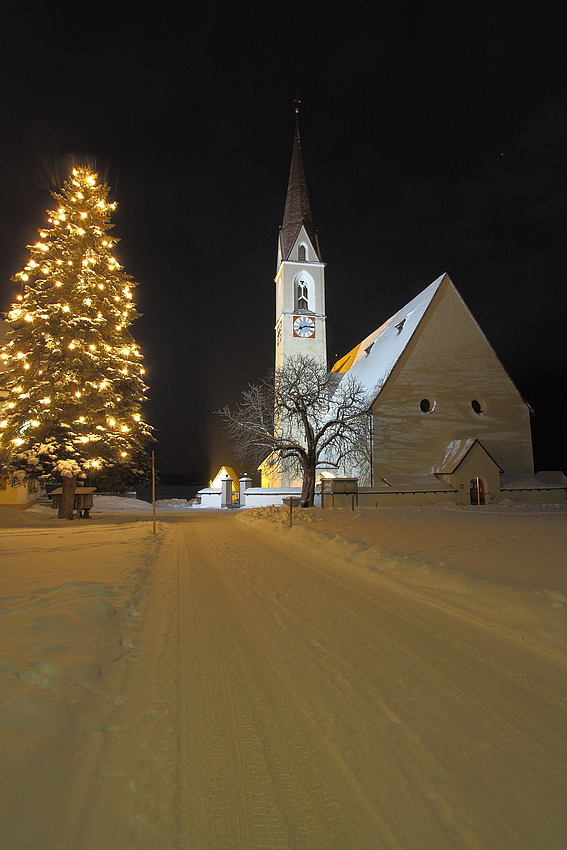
448,423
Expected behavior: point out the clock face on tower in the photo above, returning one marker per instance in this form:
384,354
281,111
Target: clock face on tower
303,326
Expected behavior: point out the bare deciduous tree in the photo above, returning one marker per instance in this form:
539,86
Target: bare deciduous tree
298,416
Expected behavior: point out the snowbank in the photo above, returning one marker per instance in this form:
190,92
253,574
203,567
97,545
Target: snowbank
125,504
347,540
104,505
72,597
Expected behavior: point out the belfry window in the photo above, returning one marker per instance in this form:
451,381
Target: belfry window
302,295
302,254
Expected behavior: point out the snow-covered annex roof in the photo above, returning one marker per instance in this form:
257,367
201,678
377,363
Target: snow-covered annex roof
372,361
456,452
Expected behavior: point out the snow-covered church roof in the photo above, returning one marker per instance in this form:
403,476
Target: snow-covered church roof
371,362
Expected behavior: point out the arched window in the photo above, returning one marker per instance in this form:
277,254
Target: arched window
304,292
302,254
302,295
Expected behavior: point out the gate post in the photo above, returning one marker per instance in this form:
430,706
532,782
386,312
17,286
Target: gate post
245,483
226,492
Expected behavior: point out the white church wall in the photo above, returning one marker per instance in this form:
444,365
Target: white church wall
450,363
289,345
289,272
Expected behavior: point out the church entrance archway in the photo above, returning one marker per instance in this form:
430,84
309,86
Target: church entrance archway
476,489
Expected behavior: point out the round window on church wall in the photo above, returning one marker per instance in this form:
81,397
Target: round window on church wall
427,405
478,406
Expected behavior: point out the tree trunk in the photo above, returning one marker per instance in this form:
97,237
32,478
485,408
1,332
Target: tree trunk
67,498
308,487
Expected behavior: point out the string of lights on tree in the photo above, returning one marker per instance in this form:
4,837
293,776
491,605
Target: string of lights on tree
75,376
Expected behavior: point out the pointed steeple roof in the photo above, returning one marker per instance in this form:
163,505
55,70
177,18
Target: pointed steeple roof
297,210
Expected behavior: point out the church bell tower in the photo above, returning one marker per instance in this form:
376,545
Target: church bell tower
300,279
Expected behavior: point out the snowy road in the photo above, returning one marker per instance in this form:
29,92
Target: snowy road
247,697
321,715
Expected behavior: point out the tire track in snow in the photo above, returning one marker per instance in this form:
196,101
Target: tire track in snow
254,773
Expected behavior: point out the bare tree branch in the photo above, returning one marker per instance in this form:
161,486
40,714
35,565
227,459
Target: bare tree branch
298,417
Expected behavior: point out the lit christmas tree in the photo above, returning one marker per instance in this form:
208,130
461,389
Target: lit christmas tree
74,373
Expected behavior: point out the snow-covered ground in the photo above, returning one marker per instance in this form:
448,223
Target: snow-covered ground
502,566
389,678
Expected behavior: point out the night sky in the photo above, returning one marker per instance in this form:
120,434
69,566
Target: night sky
434,140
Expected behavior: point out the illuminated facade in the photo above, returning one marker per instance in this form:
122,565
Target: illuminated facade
444,406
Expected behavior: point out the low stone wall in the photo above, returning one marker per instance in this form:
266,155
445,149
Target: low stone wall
554,494
210,497
261,497
390,498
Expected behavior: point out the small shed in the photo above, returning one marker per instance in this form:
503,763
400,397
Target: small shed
83,500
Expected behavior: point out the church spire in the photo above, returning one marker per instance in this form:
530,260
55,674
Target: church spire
297,210
300,277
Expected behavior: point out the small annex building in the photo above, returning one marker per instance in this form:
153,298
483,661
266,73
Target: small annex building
225,472
471,471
